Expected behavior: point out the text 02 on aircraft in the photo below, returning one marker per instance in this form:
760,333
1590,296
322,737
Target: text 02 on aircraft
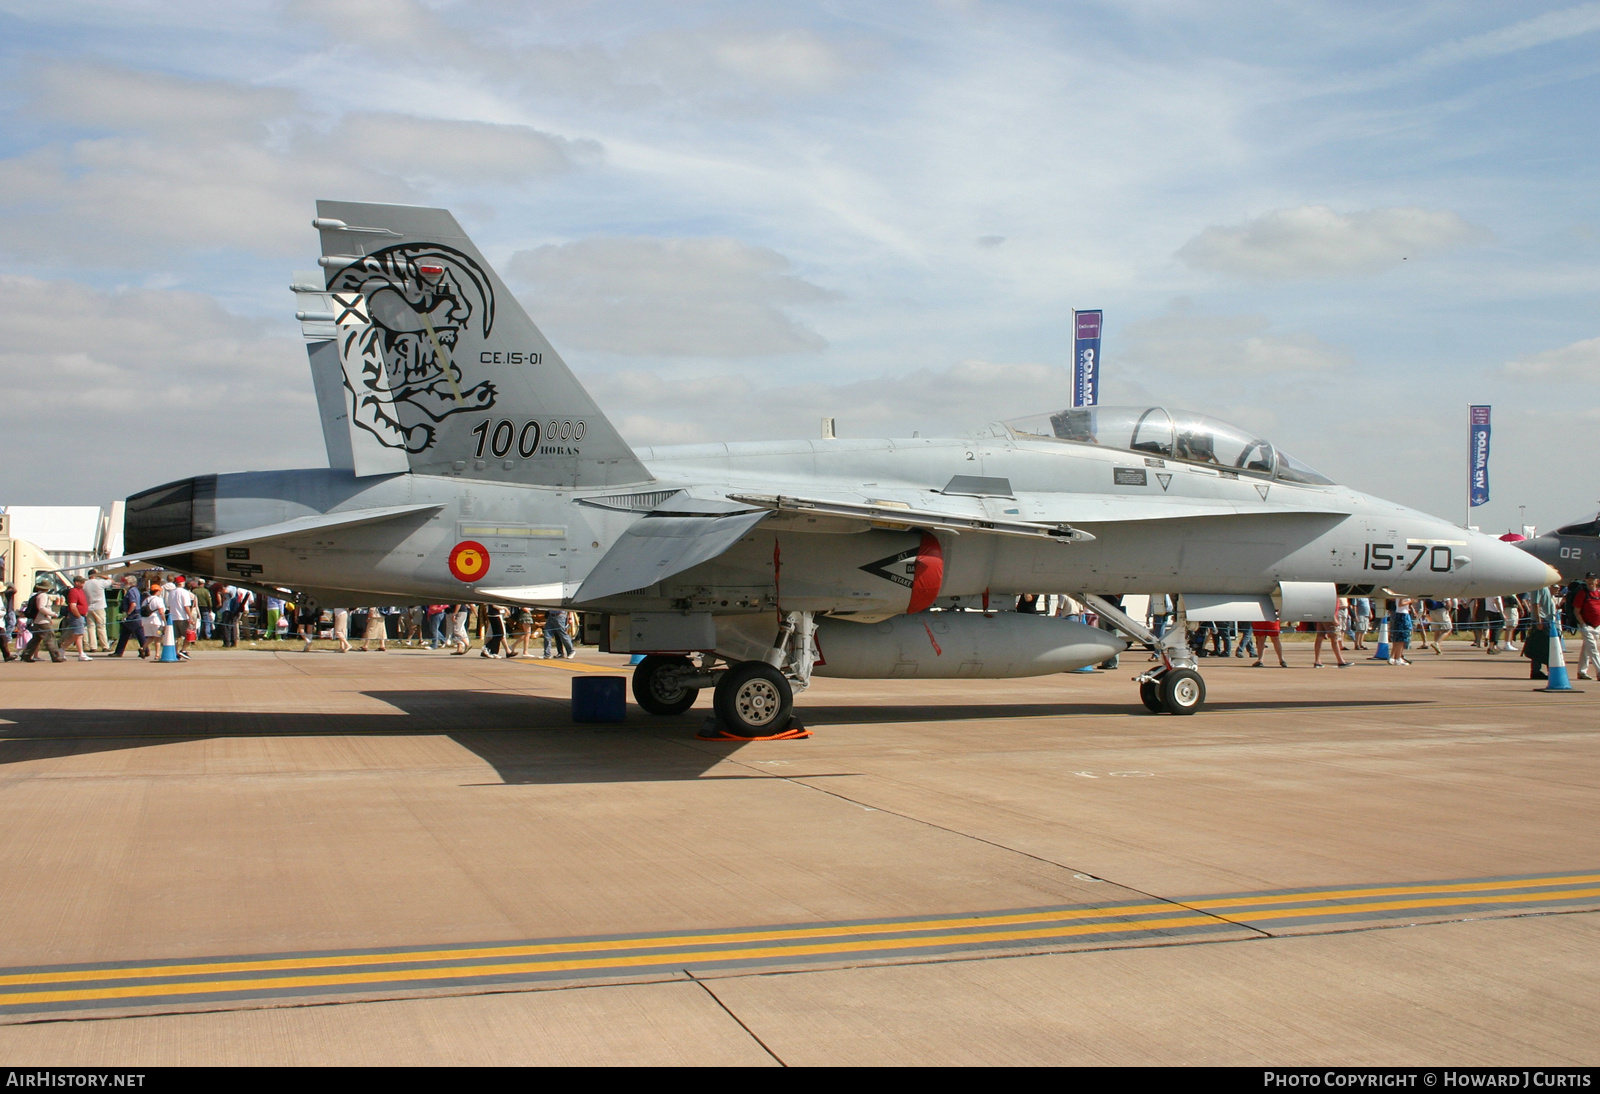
465,462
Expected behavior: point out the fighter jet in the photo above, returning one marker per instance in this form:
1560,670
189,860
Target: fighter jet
1573,549
465,462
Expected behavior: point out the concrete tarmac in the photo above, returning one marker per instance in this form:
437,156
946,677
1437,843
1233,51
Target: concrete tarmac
272,857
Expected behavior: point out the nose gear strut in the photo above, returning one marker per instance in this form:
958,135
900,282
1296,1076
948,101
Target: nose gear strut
1175,684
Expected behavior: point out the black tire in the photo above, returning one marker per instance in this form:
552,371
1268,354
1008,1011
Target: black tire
754,700
653,689
1182,691
1150,695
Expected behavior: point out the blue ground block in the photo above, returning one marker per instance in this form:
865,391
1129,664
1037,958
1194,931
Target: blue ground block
599,699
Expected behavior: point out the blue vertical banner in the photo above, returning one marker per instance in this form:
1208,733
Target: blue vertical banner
1478,454
1086,358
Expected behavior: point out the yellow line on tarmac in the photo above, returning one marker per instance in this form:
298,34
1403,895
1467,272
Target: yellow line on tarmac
584,964
567,666
593,946
1246,913
769,945
1252,901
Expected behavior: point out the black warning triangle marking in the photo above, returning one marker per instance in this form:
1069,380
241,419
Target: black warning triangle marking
1164,480
1262,490
895,568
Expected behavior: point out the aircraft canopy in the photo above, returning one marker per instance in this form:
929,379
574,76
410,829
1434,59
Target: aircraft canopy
1171,435
1589,527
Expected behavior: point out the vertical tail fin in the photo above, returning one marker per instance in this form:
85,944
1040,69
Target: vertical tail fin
441,369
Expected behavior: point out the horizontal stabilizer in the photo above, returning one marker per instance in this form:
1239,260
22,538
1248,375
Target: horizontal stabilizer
285,530
681,533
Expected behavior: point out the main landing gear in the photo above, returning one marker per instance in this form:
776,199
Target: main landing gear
661,684
1172,687
752,701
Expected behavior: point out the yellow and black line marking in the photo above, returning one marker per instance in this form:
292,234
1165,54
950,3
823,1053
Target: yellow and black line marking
58,988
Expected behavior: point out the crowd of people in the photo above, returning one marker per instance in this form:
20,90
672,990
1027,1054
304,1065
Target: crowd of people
137,610
1496,624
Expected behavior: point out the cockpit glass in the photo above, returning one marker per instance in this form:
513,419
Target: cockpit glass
1581,528
1178,435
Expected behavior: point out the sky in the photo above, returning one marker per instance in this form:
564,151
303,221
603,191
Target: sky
1336,224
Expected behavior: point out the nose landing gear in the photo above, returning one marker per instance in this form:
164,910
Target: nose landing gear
1174,686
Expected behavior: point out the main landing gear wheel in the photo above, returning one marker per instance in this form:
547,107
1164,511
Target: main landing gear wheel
753,699
1182,691
656,687
1150,695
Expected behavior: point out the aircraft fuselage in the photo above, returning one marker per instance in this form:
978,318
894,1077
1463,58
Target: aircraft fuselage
1246,536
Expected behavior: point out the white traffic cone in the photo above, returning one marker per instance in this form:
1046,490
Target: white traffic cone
1382,653
1557,668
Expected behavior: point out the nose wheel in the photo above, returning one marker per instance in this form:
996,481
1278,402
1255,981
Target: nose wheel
1176,691
1150,695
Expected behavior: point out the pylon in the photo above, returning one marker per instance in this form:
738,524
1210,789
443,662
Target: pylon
1383,640
1558,662
169,644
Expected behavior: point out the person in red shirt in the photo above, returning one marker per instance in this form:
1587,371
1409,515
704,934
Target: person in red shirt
77,621
1586,606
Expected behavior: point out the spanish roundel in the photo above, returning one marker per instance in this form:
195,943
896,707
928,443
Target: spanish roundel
469,560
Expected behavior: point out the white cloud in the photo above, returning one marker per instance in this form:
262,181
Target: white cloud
667,297
469,151
718,60
114,391
1579,361
1316,241
1196,346
127,200
723,58
211,164
1552,26
376,22
652,409
101,96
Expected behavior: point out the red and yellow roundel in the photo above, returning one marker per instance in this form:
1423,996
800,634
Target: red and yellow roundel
469,560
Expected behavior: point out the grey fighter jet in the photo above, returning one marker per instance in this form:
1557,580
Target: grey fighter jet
465,462
1573,549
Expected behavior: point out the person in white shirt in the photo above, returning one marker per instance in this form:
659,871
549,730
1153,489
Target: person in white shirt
180,610
1513,615
95,588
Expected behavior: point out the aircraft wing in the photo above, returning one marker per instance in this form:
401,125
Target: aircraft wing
964,514
284,530
894,516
